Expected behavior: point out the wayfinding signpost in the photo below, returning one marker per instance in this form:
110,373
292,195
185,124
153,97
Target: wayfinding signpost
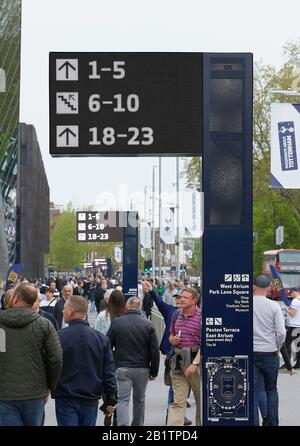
111,226
125,104
177,104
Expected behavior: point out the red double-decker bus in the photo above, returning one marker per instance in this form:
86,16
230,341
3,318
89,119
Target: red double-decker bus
287,263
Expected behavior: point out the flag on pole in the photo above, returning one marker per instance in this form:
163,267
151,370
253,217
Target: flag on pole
277,282
187,233
14,272
285,146
167,226
78,273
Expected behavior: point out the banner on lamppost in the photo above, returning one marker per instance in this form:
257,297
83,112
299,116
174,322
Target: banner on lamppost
167,226
145,235
118,254
279,235
285,146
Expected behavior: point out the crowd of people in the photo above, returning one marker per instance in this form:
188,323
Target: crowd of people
51,349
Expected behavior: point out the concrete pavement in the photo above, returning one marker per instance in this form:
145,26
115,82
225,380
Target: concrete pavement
157,394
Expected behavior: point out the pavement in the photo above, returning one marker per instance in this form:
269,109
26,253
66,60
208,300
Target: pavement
156,400
157,395
289,398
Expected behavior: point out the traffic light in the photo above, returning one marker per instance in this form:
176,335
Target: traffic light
182,268
147,266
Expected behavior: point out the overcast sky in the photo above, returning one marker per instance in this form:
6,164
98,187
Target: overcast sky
261,27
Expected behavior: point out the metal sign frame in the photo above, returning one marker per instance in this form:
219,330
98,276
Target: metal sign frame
223,119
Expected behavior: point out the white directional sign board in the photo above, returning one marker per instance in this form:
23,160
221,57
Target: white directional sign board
125,104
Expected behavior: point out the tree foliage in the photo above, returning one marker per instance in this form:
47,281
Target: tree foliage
196,260
65,252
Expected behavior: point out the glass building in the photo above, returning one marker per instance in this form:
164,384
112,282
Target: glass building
10,38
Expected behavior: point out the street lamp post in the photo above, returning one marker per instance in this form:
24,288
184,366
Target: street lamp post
274,222
153,222
159,217
178,220
145,202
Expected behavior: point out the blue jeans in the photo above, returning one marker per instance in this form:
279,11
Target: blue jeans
73,413
262,397
22,412
266,368
170,396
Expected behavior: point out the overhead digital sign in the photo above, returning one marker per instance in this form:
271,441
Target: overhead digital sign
104,226
125,104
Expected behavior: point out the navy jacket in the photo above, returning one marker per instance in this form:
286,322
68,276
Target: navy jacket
50,317
167,312
88,364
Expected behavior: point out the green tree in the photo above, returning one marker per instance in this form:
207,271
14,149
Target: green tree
196,260
65,252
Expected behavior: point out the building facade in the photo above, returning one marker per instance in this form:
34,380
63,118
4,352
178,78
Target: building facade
10,38
33,206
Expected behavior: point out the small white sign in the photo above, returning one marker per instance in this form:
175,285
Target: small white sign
67,103
279,235
118,254
245,277
236,277
228,277
81,236
2,81
190,254
81,216
218,321
67,69
67,136
81,226
209,321
168,254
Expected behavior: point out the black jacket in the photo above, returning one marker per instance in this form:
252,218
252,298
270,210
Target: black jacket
50,317
135,342
88,364
58,311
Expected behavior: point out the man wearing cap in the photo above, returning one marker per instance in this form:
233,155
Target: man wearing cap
268,337
293,324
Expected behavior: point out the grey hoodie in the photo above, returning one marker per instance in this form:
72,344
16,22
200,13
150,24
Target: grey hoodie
30,355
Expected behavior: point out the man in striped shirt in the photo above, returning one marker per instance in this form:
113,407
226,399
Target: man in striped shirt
185,337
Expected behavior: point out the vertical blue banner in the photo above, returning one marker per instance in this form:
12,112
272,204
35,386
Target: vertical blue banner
227,324
130,256
14,272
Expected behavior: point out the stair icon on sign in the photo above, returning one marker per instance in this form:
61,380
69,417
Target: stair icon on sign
66,103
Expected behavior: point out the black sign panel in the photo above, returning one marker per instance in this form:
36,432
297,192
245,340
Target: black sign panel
125,104
93,226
